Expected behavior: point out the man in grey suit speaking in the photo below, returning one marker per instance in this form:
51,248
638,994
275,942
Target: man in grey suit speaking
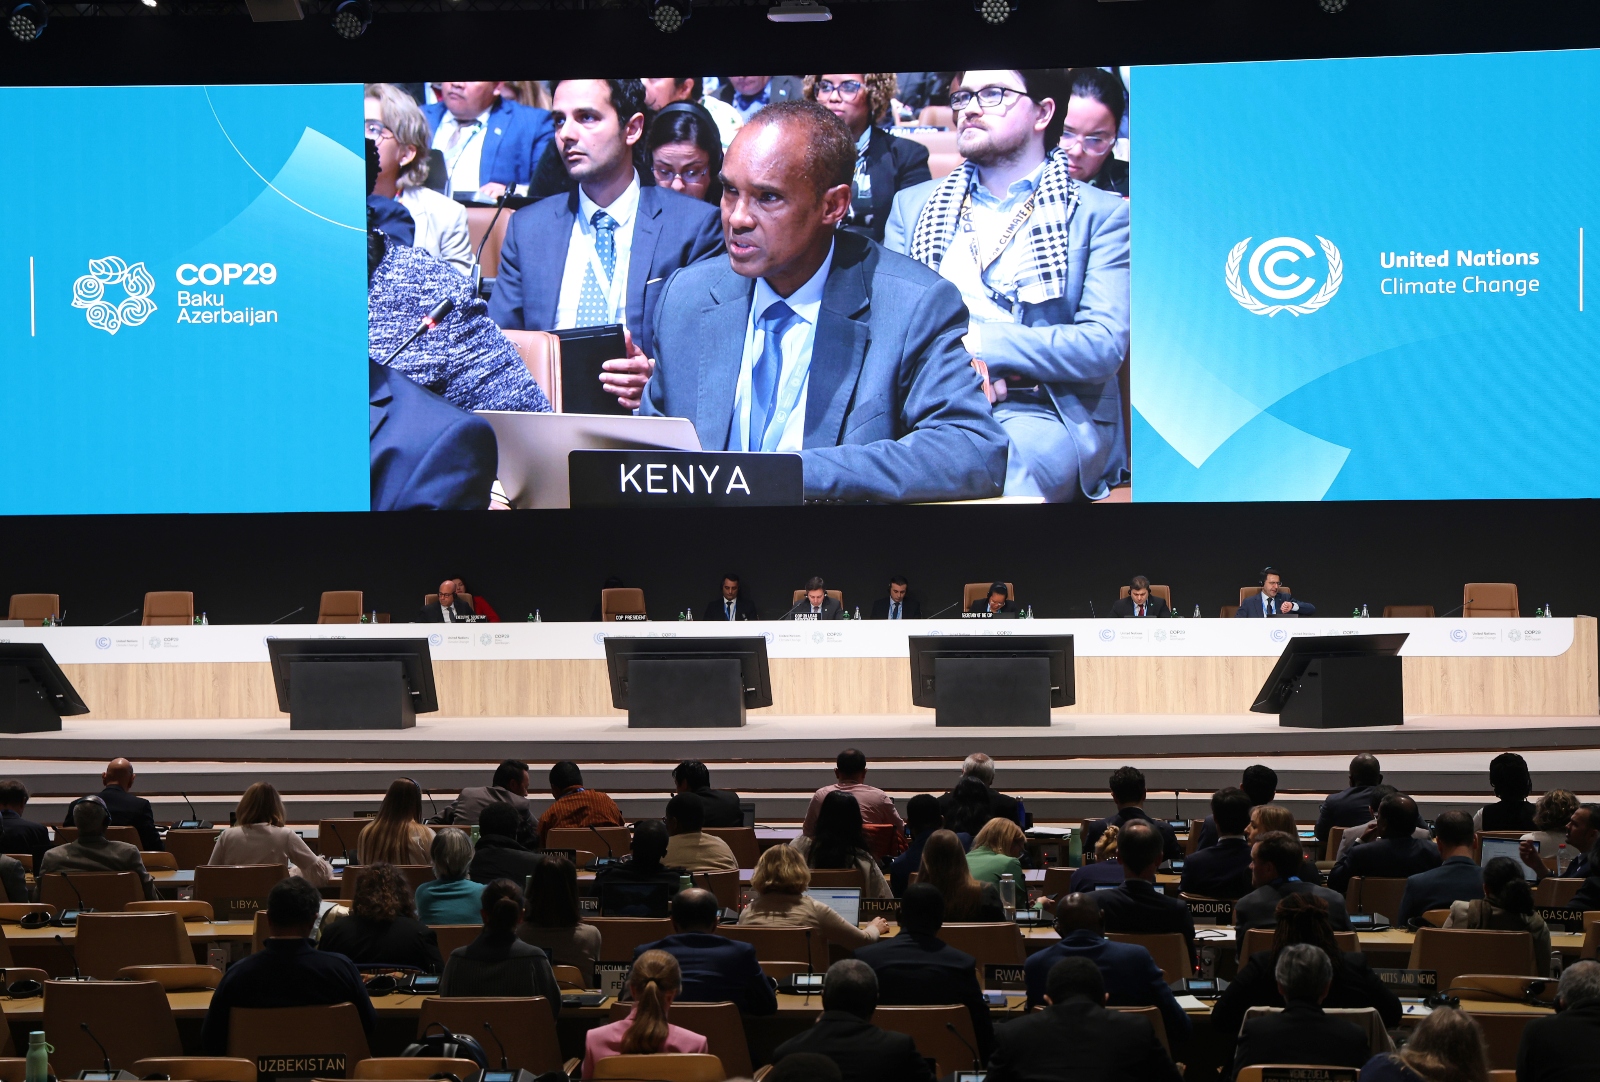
821,342
1042,263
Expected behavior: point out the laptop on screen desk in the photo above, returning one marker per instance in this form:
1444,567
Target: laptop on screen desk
534,447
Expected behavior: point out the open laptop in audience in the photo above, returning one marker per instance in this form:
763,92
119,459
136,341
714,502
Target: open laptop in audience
1506,847
636,899
845,901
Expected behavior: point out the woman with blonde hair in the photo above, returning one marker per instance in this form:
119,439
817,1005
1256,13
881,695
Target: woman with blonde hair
944,867
654,982
395,122
885,163
259,836
1446,1046
1266,818
1106,866
779,882
1550,817
397,835
995,852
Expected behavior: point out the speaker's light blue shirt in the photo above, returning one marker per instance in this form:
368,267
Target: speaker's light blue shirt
795,376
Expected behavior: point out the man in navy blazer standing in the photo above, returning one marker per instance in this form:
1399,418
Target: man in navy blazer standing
601,254
715,968
489,144
821,342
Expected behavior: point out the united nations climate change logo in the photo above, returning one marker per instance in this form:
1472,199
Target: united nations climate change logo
1275,285
137,286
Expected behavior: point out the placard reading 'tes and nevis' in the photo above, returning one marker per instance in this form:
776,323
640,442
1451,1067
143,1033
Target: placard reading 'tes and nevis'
684,479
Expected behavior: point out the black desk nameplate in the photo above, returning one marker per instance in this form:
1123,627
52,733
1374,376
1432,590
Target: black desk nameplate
1210,910
1409,982
1571,919
1005,978
684,479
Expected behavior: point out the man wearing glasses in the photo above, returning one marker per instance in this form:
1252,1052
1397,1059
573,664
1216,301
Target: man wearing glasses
1041,260
885,164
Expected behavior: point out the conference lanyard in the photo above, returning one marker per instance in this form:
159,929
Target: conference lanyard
1018,220
454,157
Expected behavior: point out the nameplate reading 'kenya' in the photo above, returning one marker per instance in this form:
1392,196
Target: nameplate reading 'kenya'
684,479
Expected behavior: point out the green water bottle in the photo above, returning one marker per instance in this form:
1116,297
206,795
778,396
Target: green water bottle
684,883
38,1065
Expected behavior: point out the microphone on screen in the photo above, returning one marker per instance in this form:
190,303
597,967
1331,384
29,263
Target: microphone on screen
429,322
977,1060
477,259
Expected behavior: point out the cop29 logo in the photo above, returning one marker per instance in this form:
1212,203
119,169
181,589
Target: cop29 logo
1279,284
89,292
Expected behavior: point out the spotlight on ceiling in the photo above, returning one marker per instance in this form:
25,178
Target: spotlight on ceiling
995,11
1333,7
27,20
351,18
670,15
798,11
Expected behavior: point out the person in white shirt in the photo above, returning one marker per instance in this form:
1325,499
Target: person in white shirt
259,836
396,124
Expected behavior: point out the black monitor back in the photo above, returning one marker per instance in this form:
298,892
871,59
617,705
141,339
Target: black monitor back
1057,649
411,653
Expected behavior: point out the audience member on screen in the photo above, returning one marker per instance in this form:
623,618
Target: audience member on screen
1275,859
692,778
498,964
686,152
425,454
530,92
396,124
19,834
715,968
450,897
845,1034
850,774
1446,1044
690,847
1561,1046
260,836
897,605
396,834
489,143
1511,782
509,786
125,809
749,94
660,93
1457,878
916,90
779,900
1302,1032
1139,602
1051,331
1128,792
895,413
836,841
885,164
1095,110
382,926
734,604
653,983
91,850
944,867
1273,600
576,805
973,801
500,852
554,922
602,253
1350,807
1505,904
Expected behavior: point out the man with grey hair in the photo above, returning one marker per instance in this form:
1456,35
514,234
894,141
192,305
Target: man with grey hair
1562,1046
93,851
975,791
1302,1033
845,1034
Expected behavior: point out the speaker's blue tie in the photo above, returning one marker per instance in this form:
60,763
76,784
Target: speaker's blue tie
774,323
594,299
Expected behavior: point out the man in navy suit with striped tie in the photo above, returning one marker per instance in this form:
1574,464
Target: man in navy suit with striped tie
1274,600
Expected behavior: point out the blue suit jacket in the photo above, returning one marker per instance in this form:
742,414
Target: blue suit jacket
427,455
1132,977
1219,871
1457,879
894,409
515,137
716,968
670,231
1075,344
1252,606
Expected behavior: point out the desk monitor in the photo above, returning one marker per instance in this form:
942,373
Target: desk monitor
927,649
34,659
1301,651
534,447
749,650
1507,847
636,899
416,663
845,901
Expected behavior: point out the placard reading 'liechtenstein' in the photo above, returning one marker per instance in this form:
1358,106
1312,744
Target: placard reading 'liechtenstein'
183,300
1355,279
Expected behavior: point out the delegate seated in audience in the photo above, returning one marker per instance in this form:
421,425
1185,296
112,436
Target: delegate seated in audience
645,866
1549,834
17,834
14,879
1368,831
1560,1047
922,819
1260,784
1396,853
1511,782
721,805
382,926
1136,907
1128,791
1583,831
576,806
917,967
714,967
259,836
660,93
1075,1037
1106,868
995,852
1222,870
497,963
885,164
1506,905
684,148
966,810
1265,818
689,847
1348,808
396,835
944,867
837,841
1275,859
450,897
396,124
653,984
554,921
489,143
92,851
1457,878
1095,110
509,786
1302,1033
499,855
845,1034
1302,918
1445,1045
125,809
850,770
287,971
1132,977
779,900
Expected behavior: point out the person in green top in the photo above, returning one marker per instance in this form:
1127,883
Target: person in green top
995,852
450,898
